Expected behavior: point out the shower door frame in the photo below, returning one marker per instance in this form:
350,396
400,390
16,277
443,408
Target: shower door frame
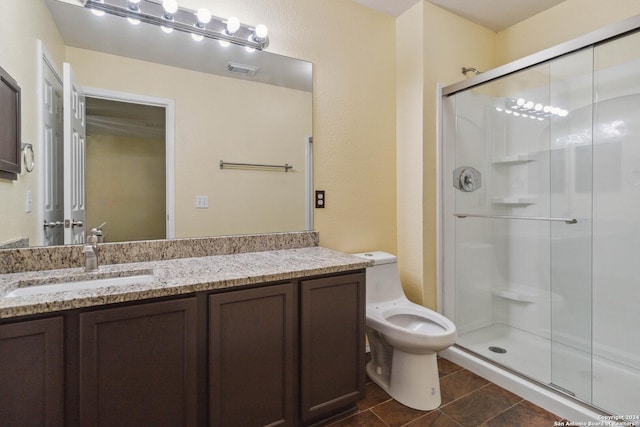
536,392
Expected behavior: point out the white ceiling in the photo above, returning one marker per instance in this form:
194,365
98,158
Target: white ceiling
493,14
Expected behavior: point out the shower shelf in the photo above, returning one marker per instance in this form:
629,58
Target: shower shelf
514,159
517,295
515,200
526,294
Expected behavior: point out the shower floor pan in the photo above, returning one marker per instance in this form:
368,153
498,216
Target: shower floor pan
614,388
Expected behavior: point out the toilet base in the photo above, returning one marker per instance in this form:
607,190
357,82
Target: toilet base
414,380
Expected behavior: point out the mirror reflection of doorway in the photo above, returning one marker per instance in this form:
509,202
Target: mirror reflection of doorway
125,169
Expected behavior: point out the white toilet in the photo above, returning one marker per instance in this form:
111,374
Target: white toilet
403,337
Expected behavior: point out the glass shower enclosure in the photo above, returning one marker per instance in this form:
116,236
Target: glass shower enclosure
541,212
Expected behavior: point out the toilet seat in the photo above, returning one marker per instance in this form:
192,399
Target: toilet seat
410,326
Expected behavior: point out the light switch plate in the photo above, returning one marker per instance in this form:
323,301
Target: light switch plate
28,202
202,202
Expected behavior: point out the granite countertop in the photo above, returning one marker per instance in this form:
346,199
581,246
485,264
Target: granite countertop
171,277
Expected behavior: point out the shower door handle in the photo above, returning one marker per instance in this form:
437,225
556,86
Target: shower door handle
467,179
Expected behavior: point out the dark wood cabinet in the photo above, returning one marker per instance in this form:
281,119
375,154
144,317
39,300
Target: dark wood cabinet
256,337
252,357
31,373
283,354
332,361
138,365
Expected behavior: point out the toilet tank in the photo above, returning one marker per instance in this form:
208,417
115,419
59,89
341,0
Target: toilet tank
383,279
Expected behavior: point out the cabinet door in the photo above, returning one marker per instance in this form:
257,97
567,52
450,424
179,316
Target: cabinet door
252,363
31,373
332,345
138,365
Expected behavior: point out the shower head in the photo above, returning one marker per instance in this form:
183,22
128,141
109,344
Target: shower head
466,70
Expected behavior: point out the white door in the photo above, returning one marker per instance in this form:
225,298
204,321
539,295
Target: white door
51,98
74,158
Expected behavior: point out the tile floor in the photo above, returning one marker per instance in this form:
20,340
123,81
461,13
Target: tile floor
467,400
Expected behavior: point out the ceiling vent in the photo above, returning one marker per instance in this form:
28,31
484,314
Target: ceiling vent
243,69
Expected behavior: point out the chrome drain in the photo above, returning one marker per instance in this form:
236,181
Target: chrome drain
497,349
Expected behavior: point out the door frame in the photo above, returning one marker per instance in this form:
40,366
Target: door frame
169,108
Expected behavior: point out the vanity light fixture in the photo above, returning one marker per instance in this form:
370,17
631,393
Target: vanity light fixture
168,15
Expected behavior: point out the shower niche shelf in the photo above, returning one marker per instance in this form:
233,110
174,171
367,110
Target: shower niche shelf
525,294
515,294
514,159
514,200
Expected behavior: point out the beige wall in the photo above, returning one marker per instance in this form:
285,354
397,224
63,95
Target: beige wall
568,20
126,176
352,49
410,135
21,25
432,46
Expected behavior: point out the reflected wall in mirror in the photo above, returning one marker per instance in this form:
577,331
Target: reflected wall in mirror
213,115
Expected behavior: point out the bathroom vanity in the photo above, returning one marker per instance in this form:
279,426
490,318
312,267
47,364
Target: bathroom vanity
274,337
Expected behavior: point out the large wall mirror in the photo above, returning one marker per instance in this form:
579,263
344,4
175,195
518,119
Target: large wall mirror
161,112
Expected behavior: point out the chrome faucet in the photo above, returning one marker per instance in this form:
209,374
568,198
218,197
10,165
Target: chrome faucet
90,251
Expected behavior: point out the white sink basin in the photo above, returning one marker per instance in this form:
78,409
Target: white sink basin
49,288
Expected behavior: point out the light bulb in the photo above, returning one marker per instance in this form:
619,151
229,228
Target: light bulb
520,102
170,6
224,43
538,107
528,105
204,16
167,30
197,37
261,32
546,109
233,25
